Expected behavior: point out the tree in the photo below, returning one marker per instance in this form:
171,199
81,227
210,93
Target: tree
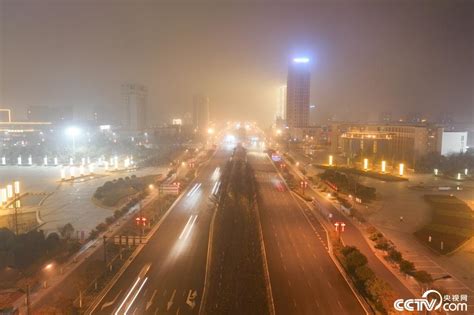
379,292
66,231
394,255
363,274
423,277
407,267
354,260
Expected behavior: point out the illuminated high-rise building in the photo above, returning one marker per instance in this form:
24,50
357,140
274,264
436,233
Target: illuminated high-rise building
298,92
281,103
134,97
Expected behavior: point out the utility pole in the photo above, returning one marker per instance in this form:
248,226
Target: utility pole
28,312
105,248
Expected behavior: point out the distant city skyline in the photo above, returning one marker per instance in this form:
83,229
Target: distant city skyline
384,58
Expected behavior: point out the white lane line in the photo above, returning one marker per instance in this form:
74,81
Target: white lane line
126,297
195,188
135,296
150,301
111,302
185,227
213,191
190,227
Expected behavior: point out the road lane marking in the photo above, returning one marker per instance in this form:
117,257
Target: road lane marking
126,297
111,302
170,302
192,189
190,227
135,296
185,227
150,301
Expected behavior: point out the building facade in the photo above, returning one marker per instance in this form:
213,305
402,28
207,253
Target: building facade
394,143
298,93
134,99
454,142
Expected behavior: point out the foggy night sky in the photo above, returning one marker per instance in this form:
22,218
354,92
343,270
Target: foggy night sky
368,56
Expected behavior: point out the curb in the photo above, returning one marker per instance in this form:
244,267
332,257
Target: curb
136,252
208,264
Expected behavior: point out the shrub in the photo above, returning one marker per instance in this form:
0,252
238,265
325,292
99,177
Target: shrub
383,244
407,267
101,227
394,255
354,260
110,220
423,276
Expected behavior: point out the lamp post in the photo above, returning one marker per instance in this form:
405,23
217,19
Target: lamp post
16,203
304,185
401,169
73,132
339,228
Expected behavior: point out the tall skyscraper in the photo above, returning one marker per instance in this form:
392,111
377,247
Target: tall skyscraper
298,90
134,98
281,103
200,112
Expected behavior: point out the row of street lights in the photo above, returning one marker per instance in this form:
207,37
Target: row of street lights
383,165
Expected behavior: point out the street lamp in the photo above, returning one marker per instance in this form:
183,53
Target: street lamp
16,203
331,160
401,169
384,166
366,164
339,228
73,132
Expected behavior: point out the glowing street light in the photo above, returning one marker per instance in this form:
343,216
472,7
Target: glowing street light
366,164
436,172
210,131
45,160
278,132
16,186
19,160
30,160
3,196
465,171
73,132
4,160
459,176
401,169
9,191
72,171
301,60
56,161
384,166
331,160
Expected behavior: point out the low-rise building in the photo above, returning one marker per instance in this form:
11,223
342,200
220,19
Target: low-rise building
394,143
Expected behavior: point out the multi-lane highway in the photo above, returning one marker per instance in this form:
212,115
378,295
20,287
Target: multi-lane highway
167,276
303,277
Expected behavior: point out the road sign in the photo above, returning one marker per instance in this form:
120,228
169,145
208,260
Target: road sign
172,189
131,240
